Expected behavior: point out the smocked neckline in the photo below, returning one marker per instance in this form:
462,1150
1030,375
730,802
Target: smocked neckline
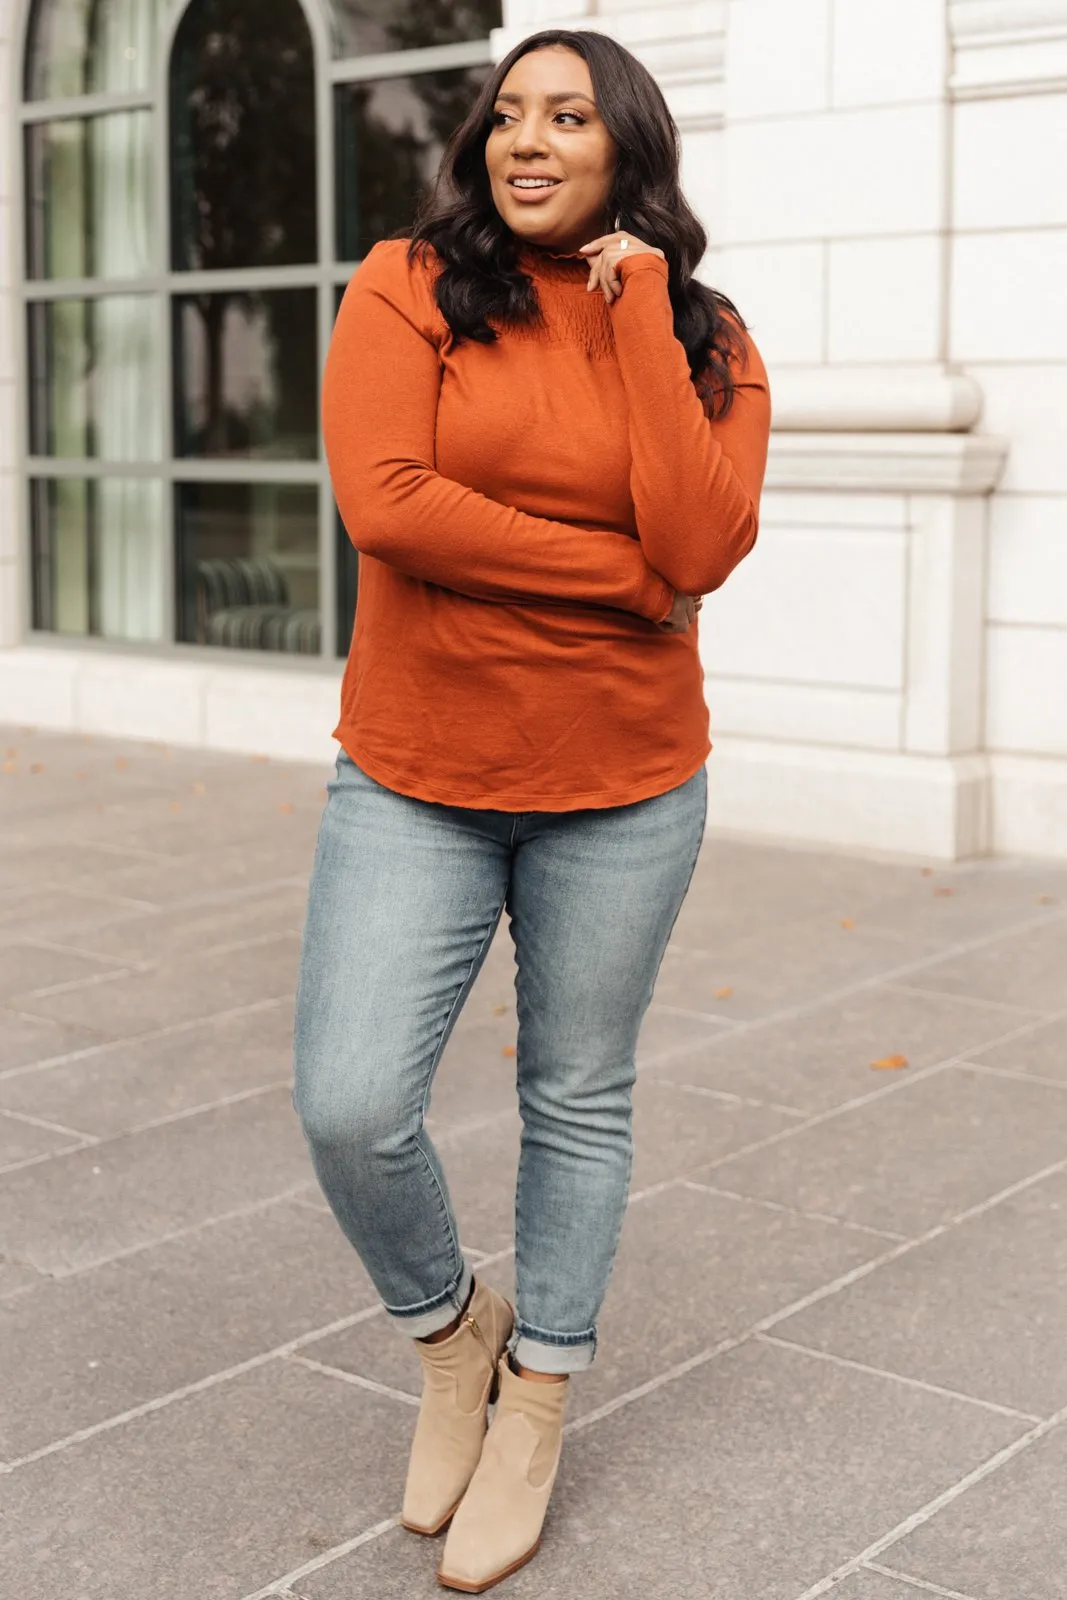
553,263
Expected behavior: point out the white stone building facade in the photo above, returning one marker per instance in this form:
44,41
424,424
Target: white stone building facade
883,182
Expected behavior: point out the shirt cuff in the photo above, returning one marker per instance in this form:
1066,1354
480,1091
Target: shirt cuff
644,261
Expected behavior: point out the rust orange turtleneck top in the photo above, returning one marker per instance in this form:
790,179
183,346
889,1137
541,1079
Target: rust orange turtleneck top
524,511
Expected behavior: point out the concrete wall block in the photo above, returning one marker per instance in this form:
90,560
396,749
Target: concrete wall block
290,715
1026,707
809,605
777,54
140,699
917,805
1025,405
1029,795
38,686
1028,560
845,174
1006,155
787,325
946,591
885,299
886,51
806,713
1008,302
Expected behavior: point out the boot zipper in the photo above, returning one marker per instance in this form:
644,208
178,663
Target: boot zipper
477,1332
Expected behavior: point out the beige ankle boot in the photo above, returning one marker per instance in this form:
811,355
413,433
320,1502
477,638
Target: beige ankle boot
497,1528
458,1374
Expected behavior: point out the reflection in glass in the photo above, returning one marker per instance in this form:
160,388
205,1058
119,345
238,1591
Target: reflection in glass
98,563
246,374
365,27
88,196
92,364
81,47
390,136
347,588
243,137
248,566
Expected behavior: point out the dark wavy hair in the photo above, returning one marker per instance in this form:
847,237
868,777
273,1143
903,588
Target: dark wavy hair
480,282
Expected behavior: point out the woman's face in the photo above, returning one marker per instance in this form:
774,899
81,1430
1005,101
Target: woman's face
546,127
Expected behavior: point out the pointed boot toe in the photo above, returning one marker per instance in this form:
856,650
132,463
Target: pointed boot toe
497,1528
459,1376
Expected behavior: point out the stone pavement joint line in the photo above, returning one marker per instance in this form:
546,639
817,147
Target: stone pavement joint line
916,1583
897,1377
932,1507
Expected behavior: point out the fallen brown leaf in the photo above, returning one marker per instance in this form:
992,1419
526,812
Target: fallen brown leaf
942,892
175,805
10,766
36,766
200,788
120,763
498,1011
927,872
287,807
723,994
261,758
11,752
1047,900
890,1063
82,777
848,922
509,1050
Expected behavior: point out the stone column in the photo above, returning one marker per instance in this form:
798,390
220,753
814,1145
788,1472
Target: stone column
12,620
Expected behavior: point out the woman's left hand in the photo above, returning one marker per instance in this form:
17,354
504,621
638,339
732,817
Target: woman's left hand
605,254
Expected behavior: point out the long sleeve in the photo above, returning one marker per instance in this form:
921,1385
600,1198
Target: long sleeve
696,482
379,406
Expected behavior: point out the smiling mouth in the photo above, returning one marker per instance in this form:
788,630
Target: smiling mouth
535,183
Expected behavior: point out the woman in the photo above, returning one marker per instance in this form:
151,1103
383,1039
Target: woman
547,440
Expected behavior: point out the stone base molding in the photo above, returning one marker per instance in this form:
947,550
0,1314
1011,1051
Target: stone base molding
1007,47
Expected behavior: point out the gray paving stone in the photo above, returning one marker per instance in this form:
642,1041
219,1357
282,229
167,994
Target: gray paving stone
752,1476
1026,969
776,968
1042,1051
22,1141
119,1086
676,1132
941,1315
209,1498
15,1278
58,913
823,1058
867,1585
172,880
1003,1539
664,1032
26,1040
96,1345
911,1159
65,1214
178,991
170,935
397,1566
25,967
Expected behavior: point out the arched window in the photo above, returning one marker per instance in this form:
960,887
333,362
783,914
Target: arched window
200,183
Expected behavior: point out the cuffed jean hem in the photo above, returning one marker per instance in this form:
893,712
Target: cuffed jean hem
546,1352
433,1315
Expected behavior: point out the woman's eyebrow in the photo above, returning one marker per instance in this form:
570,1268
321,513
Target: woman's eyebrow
551,99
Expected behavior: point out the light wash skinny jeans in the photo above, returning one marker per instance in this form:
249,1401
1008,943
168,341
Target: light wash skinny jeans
405,898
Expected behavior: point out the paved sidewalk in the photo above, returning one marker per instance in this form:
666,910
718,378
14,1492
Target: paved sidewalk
834,1345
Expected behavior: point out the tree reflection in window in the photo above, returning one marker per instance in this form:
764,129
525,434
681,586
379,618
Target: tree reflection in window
243,137
390,136
365,27
242,93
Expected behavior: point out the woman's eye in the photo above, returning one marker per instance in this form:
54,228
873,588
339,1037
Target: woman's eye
575,115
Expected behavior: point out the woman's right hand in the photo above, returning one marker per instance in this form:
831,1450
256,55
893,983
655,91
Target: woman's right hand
682,613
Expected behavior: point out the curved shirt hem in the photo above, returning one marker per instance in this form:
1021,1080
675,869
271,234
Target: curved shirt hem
512,800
